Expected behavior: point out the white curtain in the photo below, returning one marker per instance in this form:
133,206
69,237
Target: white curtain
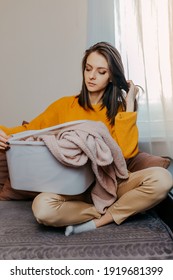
144,37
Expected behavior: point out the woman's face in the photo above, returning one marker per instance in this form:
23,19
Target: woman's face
96,73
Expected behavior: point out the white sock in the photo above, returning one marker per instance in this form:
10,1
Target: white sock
80,228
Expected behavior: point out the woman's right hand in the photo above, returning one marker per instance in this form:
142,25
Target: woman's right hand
4,145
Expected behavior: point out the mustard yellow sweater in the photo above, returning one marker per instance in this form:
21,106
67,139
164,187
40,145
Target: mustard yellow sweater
67,109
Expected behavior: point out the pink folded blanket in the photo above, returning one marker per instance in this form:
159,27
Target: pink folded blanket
74,145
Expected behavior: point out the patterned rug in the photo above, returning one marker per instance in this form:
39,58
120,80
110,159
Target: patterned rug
143,236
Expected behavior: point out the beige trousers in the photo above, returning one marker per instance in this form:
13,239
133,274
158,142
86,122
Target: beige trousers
141,191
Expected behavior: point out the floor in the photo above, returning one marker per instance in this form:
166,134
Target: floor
144,236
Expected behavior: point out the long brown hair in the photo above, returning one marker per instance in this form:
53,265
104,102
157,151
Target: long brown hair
113,96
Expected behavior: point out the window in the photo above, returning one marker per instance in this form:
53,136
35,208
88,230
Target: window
143,35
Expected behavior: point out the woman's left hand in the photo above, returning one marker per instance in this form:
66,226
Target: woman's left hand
131,96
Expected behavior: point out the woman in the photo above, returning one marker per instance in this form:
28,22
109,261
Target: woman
105,96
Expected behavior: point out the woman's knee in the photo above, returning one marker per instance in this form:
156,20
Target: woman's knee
44,205
162,181
56,210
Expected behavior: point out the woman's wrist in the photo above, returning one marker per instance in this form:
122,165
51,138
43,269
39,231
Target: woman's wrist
130,106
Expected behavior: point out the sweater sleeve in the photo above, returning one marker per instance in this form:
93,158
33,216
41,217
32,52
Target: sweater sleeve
125,133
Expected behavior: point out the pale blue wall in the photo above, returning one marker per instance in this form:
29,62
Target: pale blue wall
100,21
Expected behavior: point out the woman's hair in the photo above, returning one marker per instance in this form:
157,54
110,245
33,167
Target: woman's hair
113,96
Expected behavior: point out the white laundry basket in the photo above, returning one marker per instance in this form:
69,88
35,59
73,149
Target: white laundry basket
32,167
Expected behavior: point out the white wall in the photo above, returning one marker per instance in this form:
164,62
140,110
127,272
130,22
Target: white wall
41,46
100,23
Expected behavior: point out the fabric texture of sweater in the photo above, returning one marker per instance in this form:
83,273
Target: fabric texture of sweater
67,109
